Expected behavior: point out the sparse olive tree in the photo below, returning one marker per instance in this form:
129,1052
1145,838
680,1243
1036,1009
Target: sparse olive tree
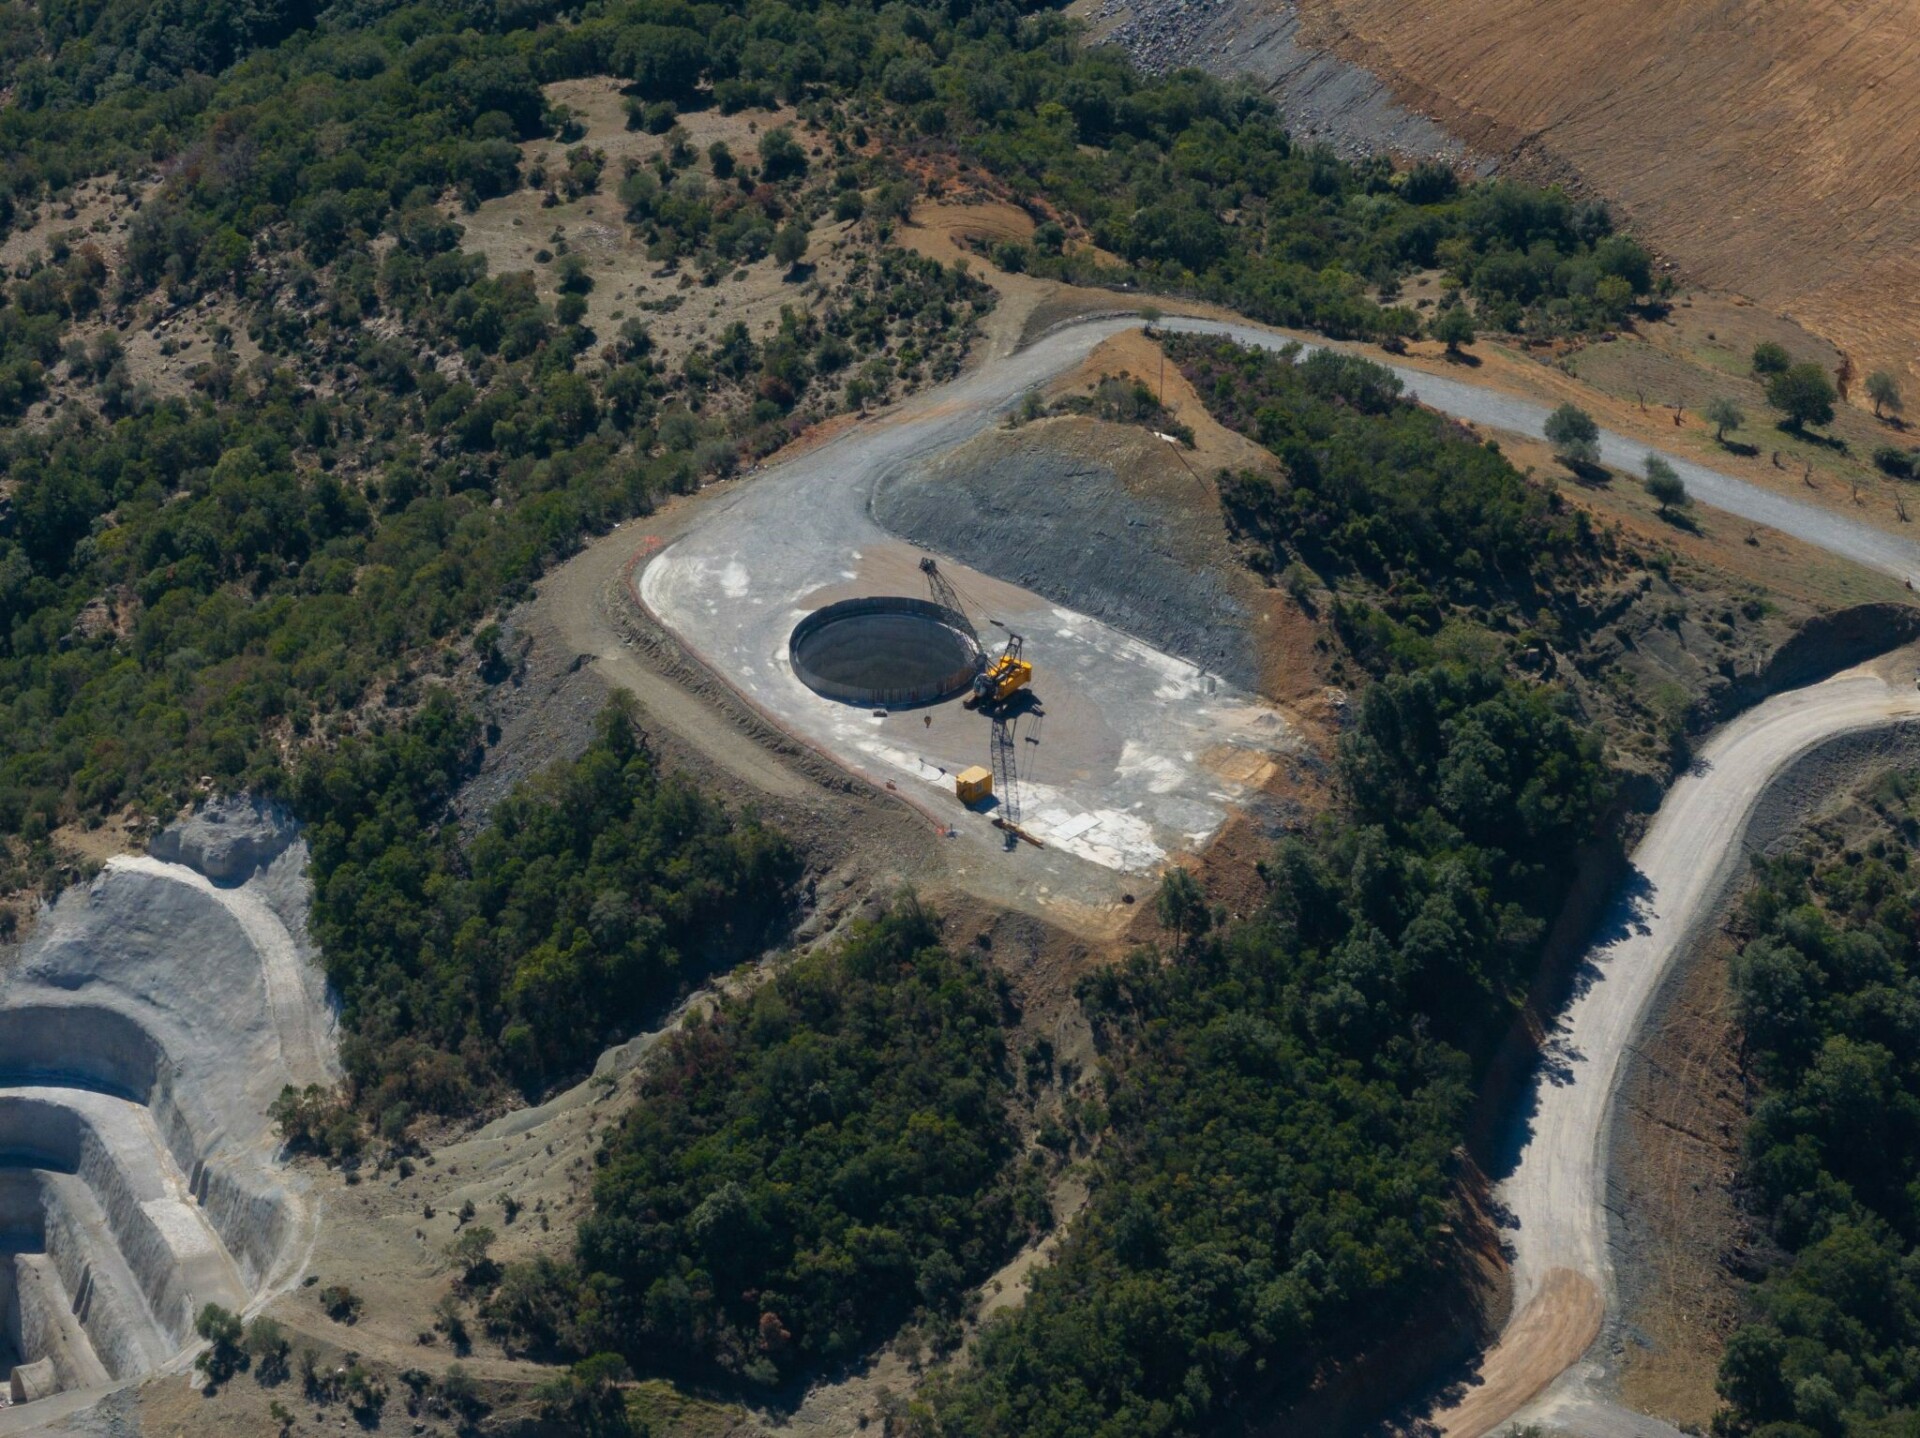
1723,414
1804,394
790,245
1665,486
1573,435
1884,390
1453,327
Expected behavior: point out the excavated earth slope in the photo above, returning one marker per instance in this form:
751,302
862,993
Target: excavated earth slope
144,1030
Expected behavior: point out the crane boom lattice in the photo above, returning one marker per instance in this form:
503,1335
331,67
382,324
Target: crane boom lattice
1006,772
946,596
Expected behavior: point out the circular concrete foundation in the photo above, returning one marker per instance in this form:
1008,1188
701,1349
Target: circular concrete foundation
886,652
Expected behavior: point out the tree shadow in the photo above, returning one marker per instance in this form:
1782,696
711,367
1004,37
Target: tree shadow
1461,357
1587,471
1825,441
1557,1063
1744,450
1681,519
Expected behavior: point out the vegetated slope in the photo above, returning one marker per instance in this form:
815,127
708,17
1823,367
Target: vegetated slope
204,577
1825,988
1763,144
1430,544
599,891
811,1166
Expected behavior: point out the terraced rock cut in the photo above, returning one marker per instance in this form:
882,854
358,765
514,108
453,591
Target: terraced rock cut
144,1031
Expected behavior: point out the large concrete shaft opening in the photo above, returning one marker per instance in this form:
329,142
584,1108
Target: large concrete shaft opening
884,652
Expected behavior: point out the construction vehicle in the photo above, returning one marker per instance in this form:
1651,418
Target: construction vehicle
1003,678
945,595
994,687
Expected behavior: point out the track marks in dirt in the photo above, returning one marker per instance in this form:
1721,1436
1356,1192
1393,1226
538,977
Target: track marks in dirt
1547,1337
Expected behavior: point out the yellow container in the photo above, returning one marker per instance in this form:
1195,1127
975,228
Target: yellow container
973,785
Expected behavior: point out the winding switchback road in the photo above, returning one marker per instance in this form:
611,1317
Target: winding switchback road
1556,1192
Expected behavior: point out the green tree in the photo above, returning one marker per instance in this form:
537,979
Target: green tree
1614,297
1453,326
1804,394
222,1331
1770,358
589,1400
472,1251
1573,435
1884,390
267,1342
1723,414
1182,907
1665,485
790,245
781,156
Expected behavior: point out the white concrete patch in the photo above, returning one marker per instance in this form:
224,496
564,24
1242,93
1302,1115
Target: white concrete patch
1160,774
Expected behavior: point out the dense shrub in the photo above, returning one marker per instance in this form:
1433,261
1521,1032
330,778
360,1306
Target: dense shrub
1900,463
1379,489
1282,1101
1826,986
805,1170
597,892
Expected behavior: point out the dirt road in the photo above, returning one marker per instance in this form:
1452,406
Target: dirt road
1556,1189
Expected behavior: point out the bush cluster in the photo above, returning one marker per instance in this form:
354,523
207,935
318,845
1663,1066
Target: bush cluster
1826,987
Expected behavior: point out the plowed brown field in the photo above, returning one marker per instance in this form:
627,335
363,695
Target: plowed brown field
1764,145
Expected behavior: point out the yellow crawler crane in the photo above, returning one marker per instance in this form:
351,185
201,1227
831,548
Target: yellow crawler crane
1005,677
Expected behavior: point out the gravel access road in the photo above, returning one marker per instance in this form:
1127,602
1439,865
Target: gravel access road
1850,538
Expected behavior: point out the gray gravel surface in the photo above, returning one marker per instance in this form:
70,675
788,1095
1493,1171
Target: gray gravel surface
1066,528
